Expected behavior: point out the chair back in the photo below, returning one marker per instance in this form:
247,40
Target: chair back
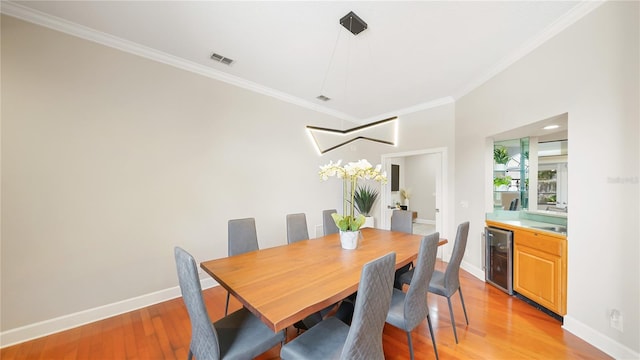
415,303
204,339
452,273
364,340
242,236
514,204
402,220
328,225
297,228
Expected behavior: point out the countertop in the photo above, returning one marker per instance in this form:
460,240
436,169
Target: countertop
533,225
521,221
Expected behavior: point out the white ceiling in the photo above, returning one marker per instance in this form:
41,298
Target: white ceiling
413,55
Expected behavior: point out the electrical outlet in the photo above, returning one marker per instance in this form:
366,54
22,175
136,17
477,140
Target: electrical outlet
616,320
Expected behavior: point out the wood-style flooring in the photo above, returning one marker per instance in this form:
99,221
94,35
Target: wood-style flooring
500,327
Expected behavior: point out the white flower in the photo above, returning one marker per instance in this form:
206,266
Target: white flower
350,173
331,169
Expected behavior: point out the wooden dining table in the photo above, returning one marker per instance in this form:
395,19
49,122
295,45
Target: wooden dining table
284,284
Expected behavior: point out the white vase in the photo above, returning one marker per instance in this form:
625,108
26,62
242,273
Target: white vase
406,202
349,239
500,167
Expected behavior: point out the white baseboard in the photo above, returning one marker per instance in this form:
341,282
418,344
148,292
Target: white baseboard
590,335
425,221
473,270
599,340
48,327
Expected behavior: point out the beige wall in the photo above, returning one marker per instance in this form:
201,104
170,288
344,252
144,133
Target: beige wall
421,172
590,70
425,130
109,160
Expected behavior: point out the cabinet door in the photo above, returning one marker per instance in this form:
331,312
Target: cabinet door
539,270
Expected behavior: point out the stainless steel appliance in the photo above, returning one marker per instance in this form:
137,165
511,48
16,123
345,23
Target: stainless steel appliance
499,258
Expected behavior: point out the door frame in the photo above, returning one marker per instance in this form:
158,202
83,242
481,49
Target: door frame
442,190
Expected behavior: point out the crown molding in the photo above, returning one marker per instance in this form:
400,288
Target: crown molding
575,14
27,14
412,109
83,32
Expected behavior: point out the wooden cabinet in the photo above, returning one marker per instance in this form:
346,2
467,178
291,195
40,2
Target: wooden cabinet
539,266
540,269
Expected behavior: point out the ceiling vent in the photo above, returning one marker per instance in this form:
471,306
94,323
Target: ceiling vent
323,98
222,59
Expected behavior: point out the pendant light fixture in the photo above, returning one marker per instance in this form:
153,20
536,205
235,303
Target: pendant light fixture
382,131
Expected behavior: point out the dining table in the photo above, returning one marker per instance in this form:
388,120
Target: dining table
284,284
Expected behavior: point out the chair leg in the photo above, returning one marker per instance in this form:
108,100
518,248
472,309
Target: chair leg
226,308
433,339
463,307
410,344
453,322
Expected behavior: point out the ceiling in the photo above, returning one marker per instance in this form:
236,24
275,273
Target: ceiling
414,55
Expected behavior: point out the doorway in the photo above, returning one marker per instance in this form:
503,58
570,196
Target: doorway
423,177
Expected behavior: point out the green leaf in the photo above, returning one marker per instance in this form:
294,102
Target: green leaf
364,198
500,154
346,223
502,181
342,222
357,222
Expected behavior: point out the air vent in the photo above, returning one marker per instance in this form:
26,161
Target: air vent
323,98
222,59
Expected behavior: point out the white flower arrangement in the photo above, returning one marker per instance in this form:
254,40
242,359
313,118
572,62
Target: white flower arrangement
350,174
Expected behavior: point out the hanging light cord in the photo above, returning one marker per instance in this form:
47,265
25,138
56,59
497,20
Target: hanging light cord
333,53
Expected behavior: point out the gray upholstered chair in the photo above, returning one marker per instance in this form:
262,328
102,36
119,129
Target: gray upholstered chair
333,339
409,309
297,228
328,225
240,335
513,206
242,238
401,220
447,283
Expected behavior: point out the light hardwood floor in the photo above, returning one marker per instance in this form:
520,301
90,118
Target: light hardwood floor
500,327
